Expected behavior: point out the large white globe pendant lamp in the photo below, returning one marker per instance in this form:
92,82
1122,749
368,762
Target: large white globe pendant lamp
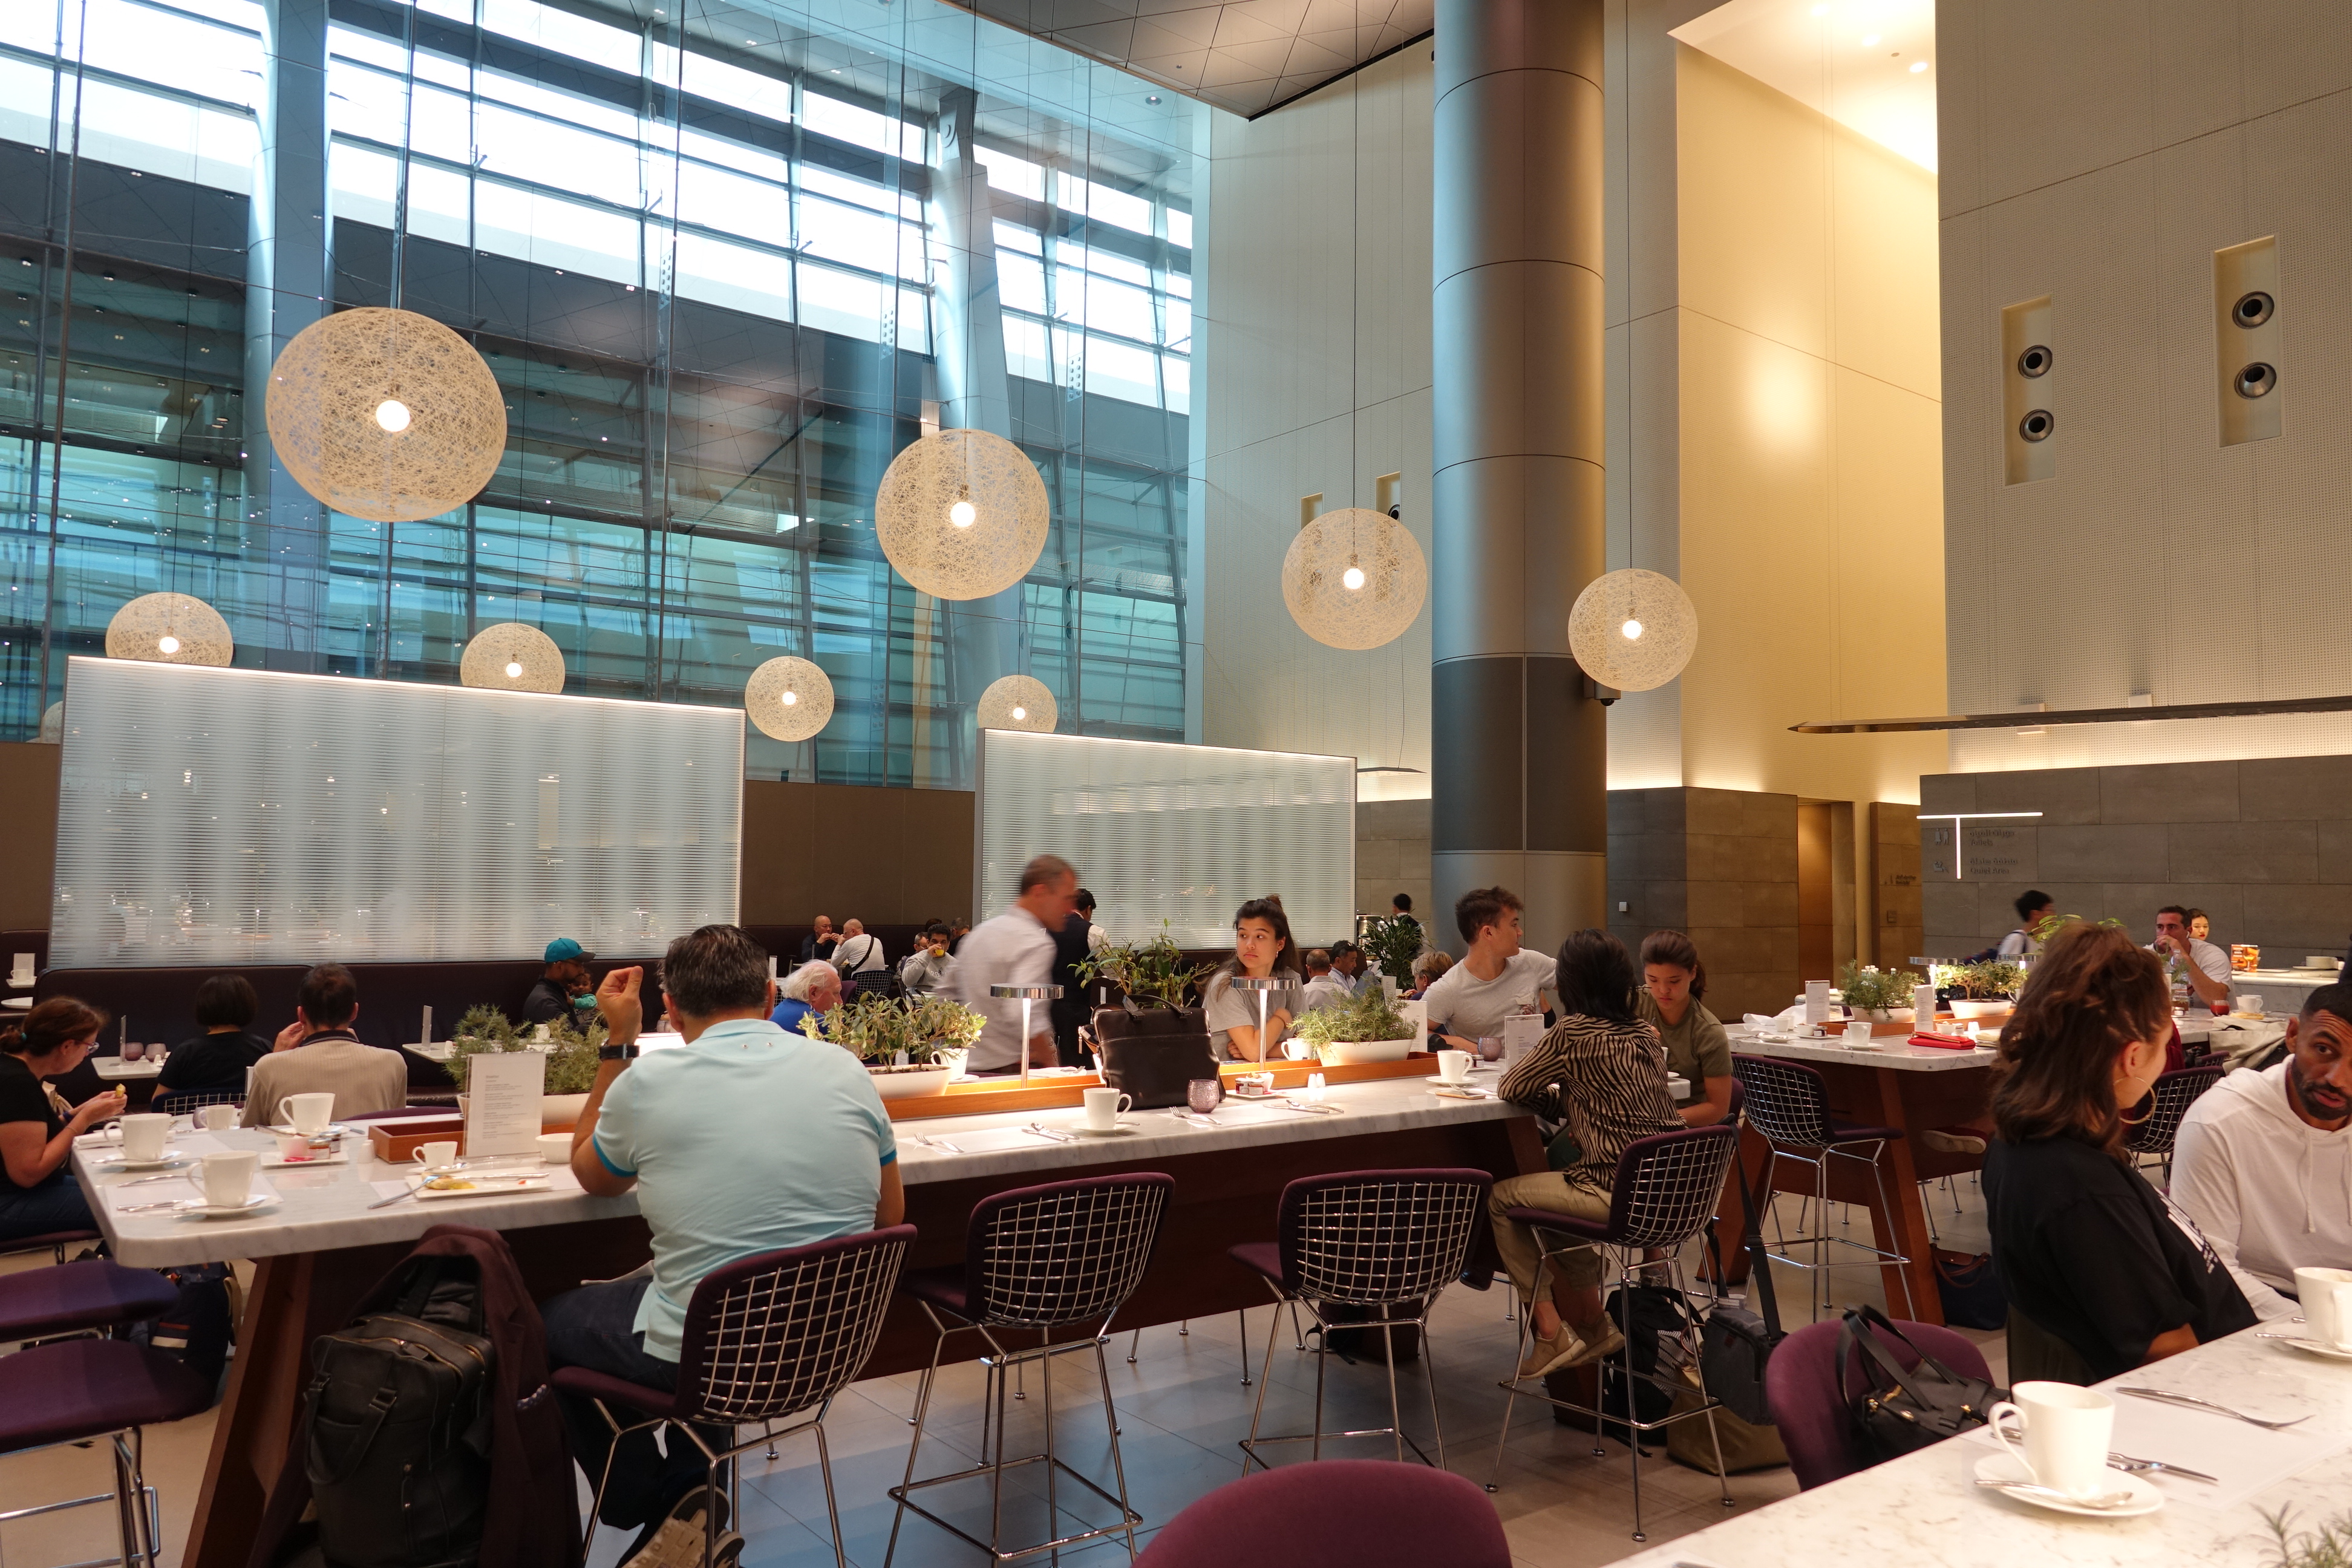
1354,578
386,414
170,628
789,698
961,514
1018,702
511,657
1632,629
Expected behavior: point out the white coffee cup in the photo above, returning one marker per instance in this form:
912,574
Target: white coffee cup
1296,1050
2248,1004
144,1136
217,1118
437,1153
1104,1107
555,1148
307,1112
1454,1066
1858,1031
2326,1297
2067,1430
228,1177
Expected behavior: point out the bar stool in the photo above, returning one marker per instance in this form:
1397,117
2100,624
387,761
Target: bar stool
78,1391
1664,1193
80,1297
53,1242
2173,1094
187,1101
1385,1242
1788,1103
767,1338
1036,1257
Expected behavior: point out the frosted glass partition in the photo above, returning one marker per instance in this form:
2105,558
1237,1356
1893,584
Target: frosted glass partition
241,816
1187,833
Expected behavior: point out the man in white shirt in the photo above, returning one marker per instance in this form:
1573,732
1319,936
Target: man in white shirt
1347,967
857,950
1322,986
1017,948
2203,966
319,1054
2263,1161
1496,980
2034,906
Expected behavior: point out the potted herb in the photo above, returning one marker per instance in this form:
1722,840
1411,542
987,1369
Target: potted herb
1980,989
1392,943
1150,971
571,1058
1154,1041
1355,1030
1881,995
904,1041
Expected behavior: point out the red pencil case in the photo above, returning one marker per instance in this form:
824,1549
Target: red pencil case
1944,1042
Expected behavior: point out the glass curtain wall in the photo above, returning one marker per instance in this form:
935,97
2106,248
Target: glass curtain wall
707,249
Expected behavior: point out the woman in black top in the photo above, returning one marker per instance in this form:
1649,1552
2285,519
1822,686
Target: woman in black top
2090,1254
38,1195
215,1061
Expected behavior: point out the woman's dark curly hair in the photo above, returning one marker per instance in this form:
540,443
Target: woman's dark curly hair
2093,992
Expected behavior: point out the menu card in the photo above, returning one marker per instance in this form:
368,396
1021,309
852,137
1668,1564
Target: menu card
503,1091
1520,1032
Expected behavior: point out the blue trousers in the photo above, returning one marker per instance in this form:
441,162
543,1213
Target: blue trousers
594,1327
50,1205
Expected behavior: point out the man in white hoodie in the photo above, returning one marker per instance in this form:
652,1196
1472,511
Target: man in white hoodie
2263,1161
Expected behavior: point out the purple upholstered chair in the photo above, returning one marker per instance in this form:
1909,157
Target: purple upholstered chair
1035,1259
767,1338
77,1298
1801,1383
1788,1103
78,1391
1335,1513
53,1242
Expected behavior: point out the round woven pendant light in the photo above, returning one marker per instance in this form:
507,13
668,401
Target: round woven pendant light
1018,702
511,657
386,414
961,514
170,628
53,725
1354,578
789,698
1632,629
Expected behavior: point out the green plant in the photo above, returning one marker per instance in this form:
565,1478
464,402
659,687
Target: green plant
877,1029
2329,1546
1152,971
1868,989
1367,1016
1992,979
571,1054
1392,943
2049,926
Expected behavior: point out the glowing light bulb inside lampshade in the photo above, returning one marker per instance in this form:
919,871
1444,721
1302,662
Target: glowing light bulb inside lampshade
1631,628
791,698
1353,578
1021,713
168,643
169,629
1017,703
391,415
511,657
962,514
514,670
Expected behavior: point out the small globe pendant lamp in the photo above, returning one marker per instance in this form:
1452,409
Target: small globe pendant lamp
511,657
961,514
1632,629
1018,702
170,628
789,698
386,414
1354,578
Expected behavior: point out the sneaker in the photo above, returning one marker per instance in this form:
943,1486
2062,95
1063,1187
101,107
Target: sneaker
674,1541
1958,1141
1542,1354
1609,1344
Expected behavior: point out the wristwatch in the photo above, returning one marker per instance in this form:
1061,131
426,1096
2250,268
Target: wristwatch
617,1053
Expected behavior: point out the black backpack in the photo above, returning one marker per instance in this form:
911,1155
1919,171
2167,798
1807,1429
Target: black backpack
1650,1317
397,1437
198,1326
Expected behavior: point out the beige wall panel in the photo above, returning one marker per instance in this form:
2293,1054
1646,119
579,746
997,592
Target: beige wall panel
28,804
2062,88
2200,77
1886,562
1883,299
2292,51
1753,205
1960,118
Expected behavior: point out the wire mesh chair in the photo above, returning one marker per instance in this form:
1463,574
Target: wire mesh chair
1382,1243
1665,1192
769,1338
188,1101
2174,1093
1788,1103
1038,1258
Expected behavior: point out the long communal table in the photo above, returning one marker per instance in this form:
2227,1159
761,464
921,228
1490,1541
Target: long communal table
322,1246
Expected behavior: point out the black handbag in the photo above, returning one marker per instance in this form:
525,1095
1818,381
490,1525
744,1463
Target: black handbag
1734,1342
1897,1412
1969,1290
1153,1053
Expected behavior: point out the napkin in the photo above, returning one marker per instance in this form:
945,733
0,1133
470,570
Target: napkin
1944,1042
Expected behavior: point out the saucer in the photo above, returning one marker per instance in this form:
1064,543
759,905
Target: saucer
277,1162
199,1209
2009,1467
1457,1092
2311,1347
1450,1083
332,1129
168,1163
1081,1130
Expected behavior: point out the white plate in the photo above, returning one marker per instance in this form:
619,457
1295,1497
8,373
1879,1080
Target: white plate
2310,1347
486,1186
1083,1130
168,1163
1451,1093
332,1127
2145,1498
201,1210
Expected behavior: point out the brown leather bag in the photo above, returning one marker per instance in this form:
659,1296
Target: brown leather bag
1153,1053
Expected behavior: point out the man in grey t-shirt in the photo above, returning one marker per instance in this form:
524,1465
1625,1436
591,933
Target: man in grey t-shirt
1496,980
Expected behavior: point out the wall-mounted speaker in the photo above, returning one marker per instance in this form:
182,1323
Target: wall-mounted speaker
2028,401
2247,342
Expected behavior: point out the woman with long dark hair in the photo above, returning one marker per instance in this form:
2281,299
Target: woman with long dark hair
1263,950
37,1194
2102,1271
1603,1071
1672,982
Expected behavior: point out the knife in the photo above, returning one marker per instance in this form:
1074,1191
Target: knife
1049,1132
386,1203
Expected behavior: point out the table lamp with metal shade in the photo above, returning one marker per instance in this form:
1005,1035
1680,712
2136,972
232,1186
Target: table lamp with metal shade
1028,997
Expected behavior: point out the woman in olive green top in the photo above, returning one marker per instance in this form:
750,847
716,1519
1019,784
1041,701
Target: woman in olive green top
1673,981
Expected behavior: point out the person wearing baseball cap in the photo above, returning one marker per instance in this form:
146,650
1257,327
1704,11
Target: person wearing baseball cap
566,990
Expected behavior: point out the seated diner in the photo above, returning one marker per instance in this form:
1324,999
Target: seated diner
1263,950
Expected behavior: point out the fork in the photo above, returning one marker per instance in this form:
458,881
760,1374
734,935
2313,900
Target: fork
2130,1466
2164,1395
938,1143
1049,1132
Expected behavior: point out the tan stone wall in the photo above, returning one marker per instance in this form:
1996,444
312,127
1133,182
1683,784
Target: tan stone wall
1720,865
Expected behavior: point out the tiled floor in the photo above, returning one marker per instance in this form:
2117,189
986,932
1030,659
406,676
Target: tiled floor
1181,1409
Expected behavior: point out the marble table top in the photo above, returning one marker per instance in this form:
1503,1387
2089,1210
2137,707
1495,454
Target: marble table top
326,1207
1924,1509
1886,1051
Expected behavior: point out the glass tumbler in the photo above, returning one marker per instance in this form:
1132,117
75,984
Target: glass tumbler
1202,1094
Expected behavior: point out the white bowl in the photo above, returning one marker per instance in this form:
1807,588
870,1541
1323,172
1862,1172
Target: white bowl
906,1083
1362,1053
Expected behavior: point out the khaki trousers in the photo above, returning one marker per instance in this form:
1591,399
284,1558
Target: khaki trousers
1517,1243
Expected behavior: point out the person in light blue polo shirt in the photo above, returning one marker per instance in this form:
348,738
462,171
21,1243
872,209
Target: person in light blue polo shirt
746,1139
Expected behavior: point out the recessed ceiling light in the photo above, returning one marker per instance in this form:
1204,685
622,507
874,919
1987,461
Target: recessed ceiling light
1918,66
1152,98
1869,41
1818,10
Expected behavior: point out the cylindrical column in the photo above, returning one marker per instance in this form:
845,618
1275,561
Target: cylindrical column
1518,505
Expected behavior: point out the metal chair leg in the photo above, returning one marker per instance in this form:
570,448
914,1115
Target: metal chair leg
1134,1341
1257,1412
831,1507
1242,1318
1511,1390
1118,1464
1396,1417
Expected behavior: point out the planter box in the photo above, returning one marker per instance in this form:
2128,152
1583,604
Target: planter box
1995,1007
1362,1053
908,1083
